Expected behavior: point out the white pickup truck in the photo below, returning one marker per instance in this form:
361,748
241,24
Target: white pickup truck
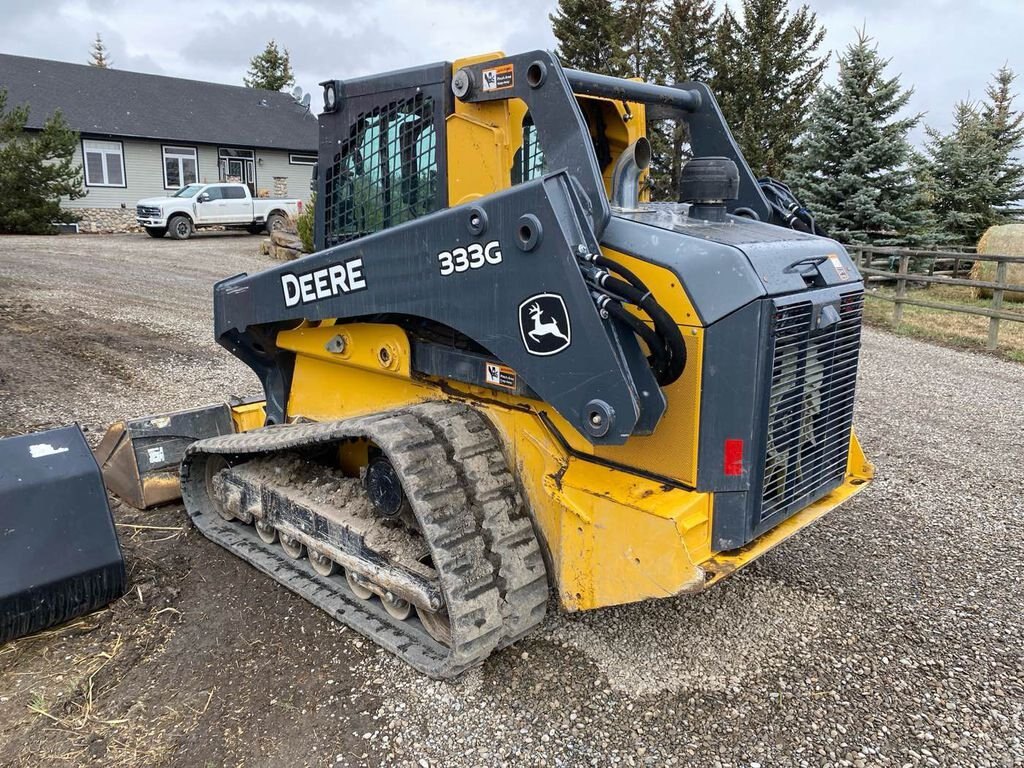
213,205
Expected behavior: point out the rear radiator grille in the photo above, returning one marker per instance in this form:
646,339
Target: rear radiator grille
810,407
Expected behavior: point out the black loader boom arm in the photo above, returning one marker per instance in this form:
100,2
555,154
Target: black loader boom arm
523,246
506,270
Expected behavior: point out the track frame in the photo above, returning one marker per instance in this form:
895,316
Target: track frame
468,508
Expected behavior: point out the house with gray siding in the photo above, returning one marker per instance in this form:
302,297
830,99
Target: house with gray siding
148,135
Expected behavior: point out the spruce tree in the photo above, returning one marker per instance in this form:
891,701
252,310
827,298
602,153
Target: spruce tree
586,34
1006,127
639,55
37,169
730,69
852,166
959,176
767,69
687,32
639,34
271,69
98,55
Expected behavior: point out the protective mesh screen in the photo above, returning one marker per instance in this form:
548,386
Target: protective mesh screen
810,408
529,161
385,173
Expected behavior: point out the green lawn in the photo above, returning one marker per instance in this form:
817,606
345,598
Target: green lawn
969,331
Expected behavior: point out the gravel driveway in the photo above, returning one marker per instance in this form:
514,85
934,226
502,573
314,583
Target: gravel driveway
889,634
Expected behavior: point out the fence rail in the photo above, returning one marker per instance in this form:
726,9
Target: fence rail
866,257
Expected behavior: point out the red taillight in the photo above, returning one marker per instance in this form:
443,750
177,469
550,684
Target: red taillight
733,457
300,206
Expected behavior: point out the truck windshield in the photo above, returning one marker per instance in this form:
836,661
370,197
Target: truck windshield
189,191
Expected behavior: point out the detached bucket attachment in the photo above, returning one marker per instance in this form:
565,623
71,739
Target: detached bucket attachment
140,457
59,555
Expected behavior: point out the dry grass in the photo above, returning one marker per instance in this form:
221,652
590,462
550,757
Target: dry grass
969,331
78,682
74,708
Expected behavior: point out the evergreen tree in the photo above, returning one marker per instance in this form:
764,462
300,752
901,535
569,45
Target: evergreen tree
98,54
730,69
639,55
36,170
687,40
852,166
586,34
1006,127
639,33
271,69
766,72
959,175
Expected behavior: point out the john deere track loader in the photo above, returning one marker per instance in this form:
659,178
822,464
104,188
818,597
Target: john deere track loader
504,371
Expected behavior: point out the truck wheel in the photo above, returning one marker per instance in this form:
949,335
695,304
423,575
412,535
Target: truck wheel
275,221
180,227
156,231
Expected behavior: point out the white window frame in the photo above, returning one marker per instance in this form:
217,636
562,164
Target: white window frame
308,159
105,149
181,152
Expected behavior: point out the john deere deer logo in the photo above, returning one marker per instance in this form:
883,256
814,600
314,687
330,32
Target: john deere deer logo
544,323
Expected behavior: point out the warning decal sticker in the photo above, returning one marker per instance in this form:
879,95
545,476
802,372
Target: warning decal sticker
499,375
840,267
499,78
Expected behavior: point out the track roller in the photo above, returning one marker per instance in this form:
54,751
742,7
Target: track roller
321,563
431,554
358,586
266,531
291,546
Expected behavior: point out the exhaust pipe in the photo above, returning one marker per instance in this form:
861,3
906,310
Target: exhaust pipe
634,160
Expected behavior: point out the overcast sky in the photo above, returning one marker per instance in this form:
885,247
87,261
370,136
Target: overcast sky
946,49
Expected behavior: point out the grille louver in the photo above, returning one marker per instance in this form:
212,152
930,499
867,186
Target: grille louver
810,407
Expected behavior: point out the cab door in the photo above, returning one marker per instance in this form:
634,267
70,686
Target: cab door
210,205
237,204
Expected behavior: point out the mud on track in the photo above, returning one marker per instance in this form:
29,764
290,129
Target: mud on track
203,663
890,633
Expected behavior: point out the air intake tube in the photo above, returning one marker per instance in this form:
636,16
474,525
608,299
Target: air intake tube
634,160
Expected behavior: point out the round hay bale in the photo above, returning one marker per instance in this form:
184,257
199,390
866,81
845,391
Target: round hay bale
1001,240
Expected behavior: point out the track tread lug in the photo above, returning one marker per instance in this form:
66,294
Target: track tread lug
450,462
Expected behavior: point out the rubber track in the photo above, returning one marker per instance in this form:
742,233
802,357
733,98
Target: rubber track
476,453
475,534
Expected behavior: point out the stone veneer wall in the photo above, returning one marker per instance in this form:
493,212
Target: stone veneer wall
107,220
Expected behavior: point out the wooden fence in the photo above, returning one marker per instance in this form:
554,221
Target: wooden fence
938,268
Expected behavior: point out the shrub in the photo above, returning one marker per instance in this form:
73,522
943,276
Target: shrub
304,224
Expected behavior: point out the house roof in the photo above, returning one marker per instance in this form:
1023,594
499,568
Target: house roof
131,104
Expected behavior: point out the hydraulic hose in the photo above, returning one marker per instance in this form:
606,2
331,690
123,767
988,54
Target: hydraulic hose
788,208
614,266
663,324
659,359
633,290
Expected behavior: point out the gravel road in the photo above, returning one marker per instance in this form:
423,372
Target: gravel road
890,634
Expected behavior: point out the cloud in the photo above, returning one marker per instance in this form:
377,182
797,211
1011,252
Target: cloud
946,49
